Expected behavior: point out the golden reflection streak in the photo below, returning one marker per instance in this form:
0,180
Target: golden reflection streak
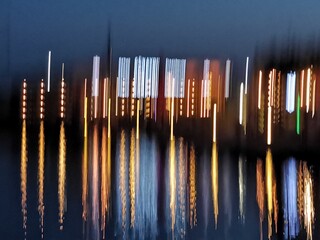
85,179
308,202
215,182
300,192
105,179
123,190
172,184
182,188
193,190
132,180
41,175
260,193
62,174
23,175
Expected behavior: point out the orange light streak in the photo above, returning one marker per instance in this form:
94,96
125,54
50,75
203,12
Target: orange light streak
259,89
188,98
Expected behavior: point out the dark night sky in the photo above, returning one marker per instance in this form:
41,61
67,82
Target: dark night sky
76,30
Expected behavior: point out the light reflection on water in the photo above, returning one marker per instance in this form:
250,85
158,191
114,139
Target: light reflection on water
193,189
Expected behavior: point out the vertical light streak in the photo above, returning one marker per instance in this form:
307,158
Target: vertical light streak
300,198
104,108
214,134
117,98
49,70
242,188
308,90
95,83
241,104
314,98
172,111
94,185
62,100
85,110
42,99
23,176
172,166
85,178
291,89
201,100
62,175
105,180
298,116
138,117
308,210
109,119
41,175
301,87
193,189
227,80
132,179
260,193
290,211
269,126
259,89
192,99
24,99
246,79
182,190
188,98
215,182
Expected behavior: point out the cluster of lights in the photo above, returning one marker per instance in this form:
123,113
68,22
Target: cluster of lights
42,99
24,99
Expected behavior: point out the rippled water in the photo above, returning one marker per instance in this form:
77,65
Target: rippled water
131,184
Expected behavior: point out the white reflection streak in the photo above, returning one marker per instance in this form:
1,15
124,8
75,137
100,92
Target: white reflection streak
242,188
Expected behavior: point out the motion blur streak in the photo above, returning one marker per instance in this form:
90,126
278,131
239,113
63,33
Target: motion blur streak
260,193
62,175
193,189
242,188
308,211
290,211
41,175
172,170
215,183
23,175
132,179
85,178
182,190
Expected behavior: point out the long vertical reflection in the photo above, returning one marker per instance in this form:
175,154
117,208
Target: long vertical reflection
181,224
132,178
172,185
308,205
94,186
85,178
23,176
62,175
272,202
105,179
192,190
122,188
215,182
290,211
41,175
227,192
242,188
260,193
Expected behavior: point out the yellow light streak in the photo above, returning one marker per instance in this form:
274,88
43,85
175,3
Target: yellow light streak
132,179
214,134
85,178
193,190
260,193
301,87
215,182
24,176
62,175
41,175
123,172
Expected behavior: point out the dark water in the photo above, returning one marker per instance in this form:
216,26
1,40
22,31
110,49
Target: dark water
133,185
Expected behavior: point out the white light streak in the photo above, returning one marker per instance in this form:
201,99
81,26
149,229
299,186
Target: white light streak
49,70
246,79
291,89
227,81
308,90
95,76
259,89
241,104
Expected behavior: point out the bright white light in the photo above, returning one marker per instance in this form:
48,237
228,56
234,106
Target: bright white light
123,77
175,69
95,76
241,105
269,126
259,89
308,90
227,75
49,70
246,82
291,88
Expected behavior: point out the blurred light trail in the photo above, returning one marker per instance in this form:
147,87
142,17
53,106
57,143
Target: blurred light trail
94,185
269,126
175,71
105,97
241,105
201,100
260,193
227,193
308,209
314,98
227,78
298,115
138,117
246,79
123,80
188,98
242,188
132,179
192,98
301,87
259,89
193,189
95,84
123,209
291,89
109,123
300,197
308,90
85,178
41,100
62,100
24,176
172,177
41,161
105,180
62,175
214,134
172,112
289,190
215,182
49,70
